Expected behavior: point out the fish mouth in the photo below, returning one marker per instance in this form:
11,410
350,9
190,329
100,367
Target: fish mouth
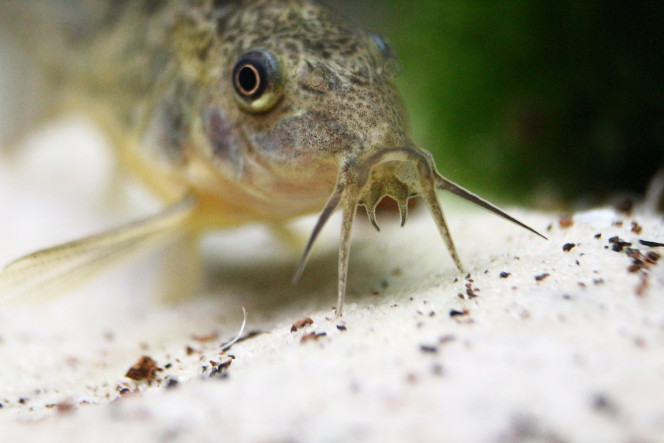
399,173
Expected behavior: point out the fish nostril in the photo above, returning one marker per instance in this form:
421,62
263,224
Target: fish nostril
317,77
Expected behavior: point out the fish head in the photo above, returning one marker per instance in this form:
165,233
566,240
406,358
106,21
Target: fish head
303,101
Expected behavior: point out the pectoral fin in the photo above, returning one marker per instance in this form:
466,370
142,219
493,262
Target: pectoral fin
51,271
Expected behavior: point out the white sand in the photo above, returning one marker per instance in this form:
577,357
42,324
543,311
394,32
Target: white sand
577,356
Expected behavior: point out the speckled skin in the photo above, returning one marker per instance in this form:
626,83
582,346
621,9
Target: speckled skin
331,132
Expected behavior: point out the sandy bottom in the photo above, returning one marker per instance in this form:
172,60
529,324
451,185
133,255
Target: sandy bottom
559,340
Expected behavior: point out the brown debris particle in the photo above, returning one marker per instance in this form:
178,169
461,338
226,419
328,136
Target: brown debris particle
504,274
301,323
206,337
565,221
144,369
63,407
312,336
568,247
640,261
541,277
636,228
633,252
653,256
634,268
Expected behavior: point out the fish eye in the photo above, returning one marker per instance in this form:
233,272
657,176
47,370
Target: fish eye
257,81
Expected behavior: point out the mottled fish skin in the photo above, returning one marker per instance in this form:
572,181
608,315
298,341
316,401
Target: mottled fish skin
258,110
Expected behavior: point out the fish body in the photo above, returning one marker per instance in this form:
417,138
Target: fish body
236,111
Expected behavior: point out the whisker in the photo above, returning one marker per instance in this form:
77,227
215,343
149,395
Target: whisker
329,208
447,185
349,210
431,199
403,211
371,214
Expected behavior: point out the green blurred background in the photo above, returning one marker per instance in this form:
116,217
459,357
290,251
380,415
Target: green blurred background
533,101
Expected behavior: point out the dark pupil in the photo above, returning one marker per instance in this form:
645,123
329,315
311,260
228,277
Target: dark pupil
248,80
